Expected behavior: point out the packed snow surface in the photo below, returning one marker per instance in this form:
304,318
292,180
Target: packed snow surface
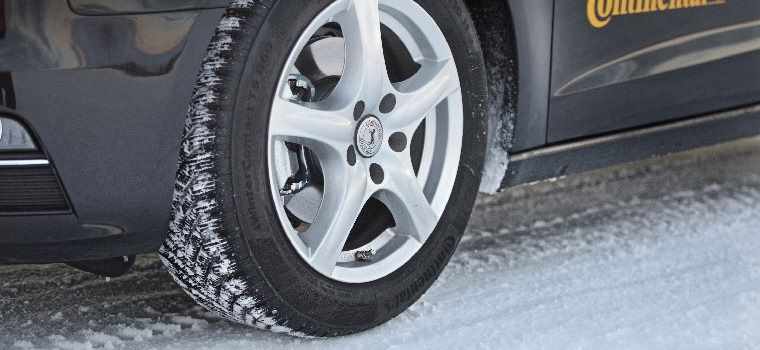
663,254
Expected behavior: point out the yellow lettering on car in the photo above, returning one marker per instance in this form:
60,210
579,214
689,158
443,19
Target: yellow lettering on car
601,12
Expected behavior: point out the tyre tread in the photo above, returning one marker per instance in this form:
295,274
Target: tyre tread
198,253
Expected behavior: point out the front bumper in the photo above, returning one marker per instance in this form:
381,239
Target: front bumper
105,98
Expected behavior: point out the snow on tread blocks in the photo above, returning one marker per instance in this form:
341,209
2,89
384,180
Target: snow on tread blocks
197,252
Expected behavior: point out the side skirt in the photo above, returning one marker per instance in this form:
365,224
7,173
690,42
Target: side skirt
584,155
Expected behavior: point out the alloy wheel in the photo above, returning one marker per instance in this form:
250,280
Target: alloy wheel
365,137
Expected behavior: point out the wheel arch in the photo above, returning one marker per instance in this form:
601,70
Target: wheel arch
495,27
516,36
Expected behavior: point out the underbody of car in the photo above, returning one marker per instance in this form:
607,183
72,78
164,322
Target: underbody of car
94,114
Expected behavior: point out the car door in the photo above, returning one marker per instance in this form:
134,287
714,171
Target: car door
620,64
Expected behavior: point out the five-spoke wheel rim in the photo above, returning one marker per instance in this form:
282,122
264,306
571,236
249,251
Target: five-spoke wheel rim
359,139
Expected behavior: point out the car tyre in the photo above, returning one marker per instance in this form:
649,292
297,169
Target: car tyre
227,246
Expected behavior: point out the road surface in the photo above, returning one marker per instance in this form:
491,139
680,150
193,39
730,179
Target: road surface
661,254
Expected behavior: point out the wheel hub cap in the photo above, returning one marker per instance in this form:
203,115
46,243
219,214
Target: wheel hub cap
369,136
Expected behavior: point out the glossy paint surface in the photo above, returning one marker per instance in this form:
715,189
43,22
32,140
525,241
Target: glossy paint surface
106,96
533,24
46,35
109,7
648,68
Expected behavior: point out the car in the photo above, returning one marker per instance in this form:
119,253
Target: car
309,166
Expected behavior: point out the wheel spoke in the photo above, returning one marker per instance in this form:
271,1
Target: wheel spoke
344,198
420,94
352,157
310,126
404,196
365,71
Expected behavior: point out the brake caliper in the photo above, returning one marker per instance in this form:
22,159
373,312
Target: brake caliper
302,90
302,177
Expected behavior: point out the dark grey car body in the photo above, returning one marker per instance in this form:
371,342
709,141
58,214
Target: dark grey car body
103,86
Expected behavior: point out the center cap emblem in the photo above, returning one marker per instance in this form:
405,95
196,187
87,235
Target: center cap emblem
369,136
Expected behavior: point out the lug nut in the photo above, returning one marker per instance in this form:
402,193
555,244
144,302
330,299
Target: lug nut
351,156
376,173
398,142
388,103
359,110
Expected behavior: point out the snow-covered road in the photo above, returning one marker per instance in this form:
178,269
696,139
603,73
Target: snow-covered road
657,255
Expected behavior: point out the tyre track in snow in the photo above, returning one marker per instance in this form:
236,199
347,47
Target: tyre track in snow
660,254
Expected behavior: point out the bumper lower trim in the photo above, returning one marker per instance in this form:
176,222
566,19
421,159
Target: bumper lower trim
24,162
